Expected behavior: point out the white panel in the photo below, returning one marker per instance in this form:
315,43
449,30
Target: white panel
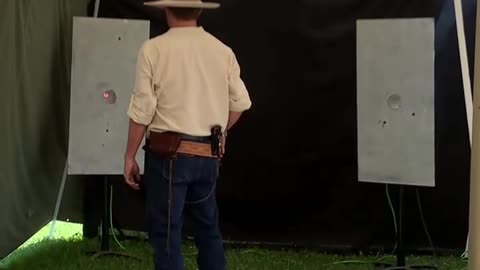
103,61
395,99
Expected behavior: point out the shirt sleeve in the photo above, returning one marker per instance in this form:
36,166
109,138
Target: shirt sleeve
143,101
238,93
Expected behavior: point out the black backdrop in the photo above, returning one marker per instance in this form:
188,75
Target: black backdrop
291,172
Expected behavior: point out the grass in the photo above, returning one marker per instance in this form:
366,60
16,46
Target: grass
68,251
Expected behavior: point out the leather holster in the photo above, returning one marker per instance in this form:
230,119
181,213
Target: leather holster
164,144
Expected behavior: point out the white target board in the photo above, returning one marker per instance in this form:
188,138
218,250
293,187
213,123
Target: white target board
104,55
395,101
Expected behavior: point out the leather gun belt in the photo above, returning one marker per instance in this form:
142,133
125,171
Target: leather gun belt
195,149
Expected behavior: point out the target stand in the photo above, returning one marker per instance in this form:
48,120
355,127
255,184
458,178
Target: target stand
104,56
395,109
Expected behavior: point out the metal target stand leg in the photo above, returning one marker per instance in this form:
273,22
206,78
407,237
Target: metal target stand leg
105,236
105,241
401,257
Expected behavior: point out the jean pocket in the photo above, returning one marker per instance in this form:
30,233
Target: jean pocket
200,193
178,169
162,169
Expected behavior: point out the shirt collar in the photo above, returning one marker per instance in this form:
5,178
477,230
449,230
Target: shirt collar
186,29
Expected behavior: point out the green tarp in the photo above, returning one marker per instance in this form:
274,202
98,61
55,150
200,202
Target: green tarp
35,51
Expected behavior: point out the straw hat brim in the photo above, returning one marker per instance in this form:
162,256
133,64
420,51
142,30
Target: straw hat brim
182,4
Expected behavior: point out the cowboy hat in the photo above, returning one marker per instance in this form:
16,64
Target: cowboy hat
183,4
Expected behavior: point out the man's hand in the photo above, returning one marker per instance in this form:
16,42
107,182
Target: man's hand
131,173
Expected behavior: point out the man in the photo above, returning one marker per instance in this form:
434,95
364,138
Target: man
187,85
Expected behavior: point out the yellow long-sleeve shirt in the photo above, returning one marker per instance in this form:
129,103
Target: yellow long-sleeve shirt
186,81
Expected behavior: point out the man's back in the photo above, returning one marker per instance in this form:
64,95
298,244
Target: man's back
196,81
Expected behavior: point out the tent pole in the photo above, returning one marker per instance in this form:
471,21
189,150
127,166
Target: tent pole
97,7
474,223
59,200
467,85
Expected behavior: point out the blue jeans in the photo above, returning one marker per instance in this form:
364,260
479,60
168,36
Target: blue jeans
193,189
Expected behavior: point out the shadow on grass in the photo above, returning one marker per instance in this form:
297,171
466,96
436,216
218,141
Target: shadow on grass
74,255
